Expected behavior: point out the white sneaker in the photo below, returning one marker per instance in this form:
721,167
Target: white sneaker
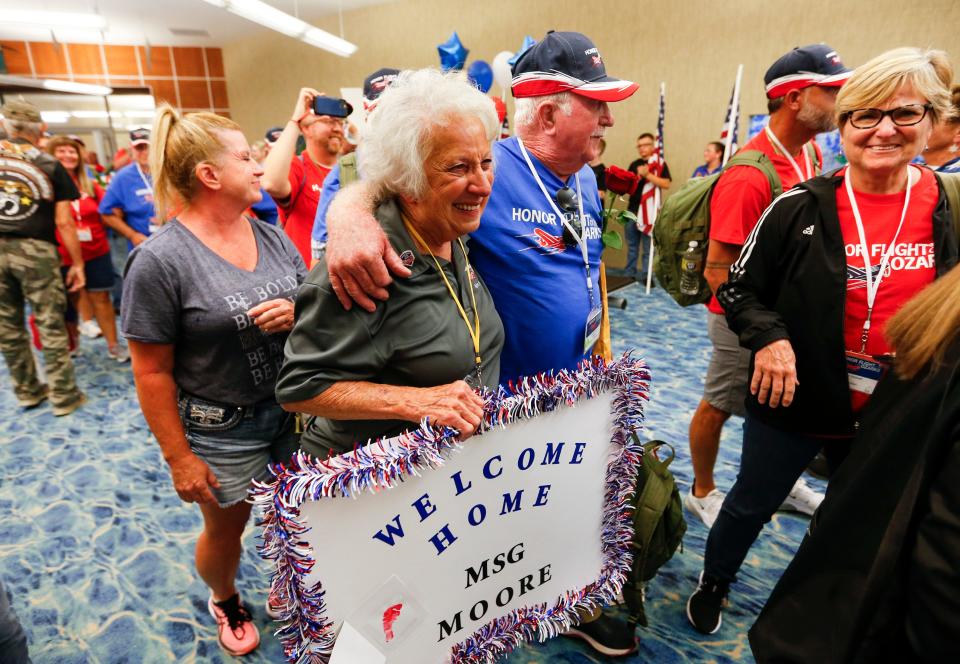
707,508
802,499
119,353
90,329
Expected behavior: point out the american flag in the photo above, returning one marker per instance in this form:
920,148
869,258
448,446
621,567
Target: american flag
649,198
733,111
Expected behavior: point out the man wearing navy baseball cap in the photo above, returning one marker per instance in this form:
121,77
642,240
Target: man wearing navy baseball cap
801,89
538,245
345,171
295,182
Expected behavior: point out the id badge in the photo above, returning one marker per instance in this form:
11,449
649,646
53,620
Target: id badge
84,234
864,372
152,228
592,330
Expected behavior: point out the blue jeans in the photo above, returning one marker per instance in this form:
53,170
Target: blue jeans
634,253
770,463
13,640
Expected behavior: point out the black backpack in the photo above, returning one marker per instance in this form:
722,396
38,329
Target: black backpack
658,525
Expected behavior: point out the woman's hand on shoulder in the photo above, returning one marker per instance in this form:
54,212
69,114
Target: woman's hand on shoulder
775,374
454,405
273,316
192,478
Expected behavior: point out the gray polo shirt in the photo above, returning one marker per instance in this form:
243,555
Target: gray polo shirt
416,338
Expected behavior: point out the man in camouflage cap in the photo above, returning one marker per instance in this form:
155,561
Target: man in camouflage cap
35,196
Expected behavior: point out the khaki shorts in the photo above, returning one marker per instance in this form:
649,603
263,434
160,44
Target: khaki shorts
725,387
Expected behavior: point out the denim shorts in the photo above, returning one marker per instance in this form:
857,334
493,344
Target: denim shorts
99,273
237,442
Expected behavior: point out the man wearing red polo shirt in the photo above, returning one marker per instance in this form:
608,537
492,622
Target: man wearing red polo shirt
295,182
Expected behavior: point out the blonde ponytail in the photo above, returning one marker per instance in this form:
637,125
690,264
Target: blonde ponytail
180,143
924,328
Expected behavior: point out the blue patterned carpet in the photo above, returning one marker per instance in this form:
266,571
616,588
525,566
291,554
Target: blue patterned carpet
97,550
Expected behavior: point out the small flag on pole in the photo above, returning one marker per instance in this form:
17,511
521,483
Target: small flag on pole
650,195
729,136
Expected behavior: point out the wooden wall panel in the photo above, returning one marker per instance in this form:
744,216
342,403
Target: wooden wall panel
85,59
122,61
194,94
48,58
16,57
163,90
189,62
219,90
214,62
158,64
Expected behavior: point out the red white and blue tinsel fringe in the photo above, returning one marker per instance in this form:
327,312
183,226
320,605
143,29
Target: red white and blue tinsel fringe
308,634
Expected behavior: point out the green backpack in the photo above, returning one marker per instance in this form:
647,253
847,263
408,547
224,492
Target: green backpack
685,217
658,525
950,183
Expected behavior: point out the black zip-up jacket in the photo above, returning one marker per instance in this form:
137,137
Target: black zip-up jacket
790,283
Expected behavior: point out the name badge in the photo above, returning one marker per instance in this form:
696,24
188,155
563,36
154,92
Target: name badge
152,228
592,330
146,193
84,234
864,372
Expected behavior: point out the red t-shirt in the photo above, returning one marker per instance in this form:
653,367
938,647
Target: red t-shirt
90,230
306,182
911,265
743,193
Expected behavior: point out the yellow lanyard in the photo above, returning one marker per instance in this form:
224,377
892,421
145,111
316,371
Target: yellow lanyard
475,330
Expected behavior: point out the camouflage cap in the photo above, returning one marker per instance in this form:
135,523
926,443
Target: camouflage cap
21,110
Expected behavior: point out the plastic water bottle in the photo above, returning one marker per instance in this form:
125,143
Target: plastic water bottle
690,269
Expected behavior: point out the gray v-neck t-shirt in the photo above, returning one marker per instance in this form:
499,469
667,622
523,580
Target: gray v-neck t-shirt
176,290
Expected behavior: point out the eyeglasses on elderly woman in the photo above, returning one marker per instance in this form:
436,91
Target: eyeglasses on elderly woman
902,116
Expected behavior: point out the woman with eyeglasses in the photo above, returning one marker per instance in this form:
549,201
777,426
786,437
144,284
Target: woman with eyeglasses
828,264
422,353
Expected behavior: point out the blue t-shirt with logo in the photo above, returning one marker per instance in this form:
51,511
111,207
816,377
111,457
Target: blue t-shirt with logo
266,208
331,185
538,284
133,194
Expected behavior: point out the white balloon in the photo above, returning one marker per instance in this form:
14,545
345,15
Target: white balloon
501,69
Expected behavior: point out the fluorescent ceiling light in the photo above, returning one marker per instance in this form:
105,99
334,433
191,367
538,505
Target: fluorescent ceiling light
58,86
53,19
271,17
55,117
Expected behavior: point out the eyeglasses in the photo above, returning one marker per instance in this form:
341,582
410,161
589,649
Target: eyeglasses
568,202
902,116
331,121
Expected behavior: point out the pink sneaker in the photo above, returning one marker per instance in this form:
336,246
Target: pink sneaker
237,633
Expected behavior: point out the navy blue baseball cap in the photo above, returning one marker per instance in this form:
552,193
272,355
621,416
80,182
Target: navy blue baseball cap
817,64
377,82
567,61
335,108
140,136
273,133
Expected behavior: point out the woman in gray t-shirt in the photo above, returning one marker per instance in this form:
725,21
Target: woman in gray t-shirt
207,305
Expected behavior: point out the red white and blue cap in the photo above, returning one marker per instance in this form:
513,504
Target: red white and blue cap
566,62
377,82
817,64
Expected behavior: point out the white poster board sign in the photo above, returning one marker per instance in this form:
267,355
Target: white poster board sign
435,551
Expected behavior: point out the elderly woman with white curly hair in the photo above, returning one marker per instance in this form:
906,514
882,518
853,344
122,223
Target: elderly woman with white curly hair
422,353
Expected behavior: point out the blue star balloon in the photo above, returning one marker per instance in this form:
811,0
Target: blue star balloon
528,41
453,54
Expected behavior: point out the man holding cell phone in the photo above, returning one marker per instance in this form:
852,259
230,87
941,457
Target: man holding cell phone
295,182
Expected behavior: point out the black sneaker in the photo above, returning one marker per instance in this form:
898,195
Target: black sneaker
707,603
606,635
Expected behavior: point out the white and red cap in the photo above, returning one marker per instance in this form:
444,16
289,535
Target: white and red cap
566,62
817,64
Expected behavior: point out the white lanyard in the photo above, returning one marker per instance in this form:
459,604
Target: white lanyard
873,286
793,162
146,183
581,241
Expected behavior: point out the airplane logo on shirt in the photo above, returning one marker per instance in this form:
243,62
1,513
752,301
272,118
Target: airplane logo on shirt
857,276
547,243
